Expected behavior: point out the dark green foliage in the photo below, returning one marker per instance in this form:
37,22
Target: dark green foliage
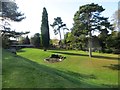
103,40
110,42
81,42
9,12
96,43
113,42
11,33
45,29
6,35
35,40
6,42
73,42
87,19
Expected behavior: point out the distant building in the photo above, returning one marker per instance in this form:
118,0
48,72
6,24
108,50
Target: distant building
55,42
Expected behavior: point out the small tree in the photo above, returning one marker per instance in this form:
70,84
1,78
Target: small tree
69,40
113,42
45,30
35,40
58,25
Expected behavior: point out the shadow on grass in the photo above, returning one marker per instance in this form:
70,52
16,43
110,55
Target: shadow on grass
26,66
20,50
113,66
80,76
94,56
105,57
76,80
68,53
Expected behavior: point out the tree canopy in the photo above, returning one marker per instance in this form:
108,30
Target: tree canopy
88,19
9,12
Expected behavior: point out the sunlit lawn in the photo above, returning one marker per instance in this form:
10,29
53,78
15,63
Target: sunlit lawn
29,70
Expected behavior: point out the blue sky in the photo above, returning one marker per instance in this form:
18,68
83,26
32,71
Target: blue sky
56,8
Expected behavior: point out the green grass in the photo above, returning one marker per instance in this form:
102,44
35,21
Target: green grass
0,67
29,70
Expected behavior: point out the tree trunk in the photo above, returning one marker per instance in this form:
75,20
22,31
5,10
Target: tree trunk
60,42
60,34
90,44
63,34
45,49
90,37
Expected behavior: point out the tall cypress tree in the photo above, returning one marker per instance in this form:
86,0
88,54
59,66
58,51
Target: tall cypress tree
45,30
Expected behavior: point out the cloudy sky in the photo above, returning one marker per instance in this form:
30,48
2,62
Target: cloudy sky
56,8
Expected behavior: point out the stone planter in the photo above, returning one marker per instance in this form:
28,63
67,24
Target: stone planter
54,58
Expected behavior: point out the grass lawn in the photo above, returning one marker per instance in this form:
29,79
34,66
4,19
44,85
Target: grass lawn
0,68
28,69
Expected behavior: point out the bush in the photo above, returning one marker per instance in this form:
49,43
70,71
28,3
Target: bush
116,51
108,51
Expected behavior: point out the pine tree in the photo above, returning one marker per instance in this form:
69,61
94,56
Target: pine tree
58,25
87,19
9,12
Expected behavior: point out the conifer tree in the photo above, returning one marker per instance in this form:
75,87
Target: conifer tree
45,30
